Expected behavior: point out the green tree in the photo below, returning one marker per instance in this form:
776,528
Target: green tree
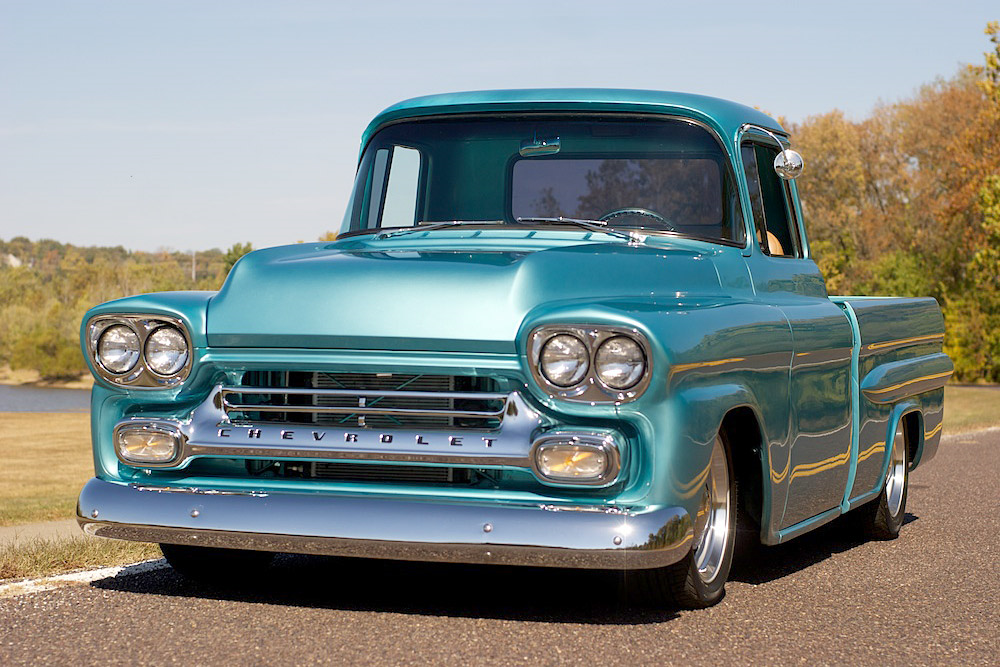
234,253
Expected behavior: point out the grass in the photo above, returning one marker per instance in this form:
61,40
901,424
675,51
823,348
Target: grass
38,557
46,461
971,407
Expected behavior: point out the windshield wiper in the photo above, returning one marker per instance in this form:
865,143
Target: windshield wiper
590,225
431,226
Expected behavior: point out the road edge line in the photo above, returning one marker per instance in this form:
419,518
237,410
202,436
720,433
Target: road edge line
41,584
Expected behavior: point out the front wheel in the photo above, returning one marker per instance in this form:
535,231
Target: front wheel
882,518
699,579
221,567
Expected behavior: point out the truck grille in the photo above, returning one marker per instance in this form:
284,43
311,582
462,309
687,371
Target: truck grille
366,400
360,472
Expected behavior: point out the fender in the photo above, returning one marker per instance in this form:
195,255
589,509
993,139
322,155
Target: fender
898,412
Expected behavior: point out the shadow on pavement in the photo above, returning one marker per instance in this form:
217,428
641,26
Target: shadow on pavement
762,564
471,591
494,592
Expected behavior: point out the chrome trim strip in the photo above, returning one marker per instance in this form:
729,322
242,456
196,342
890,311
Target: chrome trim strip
227,391
396,529
152,488
367,393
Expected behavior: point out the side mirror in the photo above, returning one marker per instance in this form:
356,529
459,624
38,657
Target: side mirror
788,164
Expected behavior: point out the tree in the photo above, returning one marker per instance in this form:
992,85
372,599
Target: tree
235,252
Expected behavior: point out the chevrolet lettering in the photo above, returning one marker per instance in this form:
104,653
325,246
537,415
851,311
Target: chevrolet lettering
558,328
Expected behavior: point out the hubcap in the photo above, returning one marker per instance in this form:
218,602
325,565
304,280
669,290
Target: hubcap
713,517
896,477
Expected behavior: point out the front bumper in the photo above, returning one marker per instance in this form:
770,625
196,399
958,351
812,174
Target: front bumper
508,534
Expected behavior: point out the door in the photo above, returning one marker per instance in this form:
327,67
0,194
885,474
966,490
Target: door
810,471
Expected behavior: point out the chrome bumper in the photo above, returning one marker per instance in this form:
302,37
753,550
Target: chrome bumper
523,534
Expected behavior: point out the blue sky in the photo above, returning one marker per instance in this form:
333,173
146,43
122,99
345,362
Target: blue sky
190,124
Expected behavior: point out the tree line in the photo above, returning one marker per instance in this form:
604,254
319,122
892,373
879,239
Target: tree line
907,202
904,202
47,286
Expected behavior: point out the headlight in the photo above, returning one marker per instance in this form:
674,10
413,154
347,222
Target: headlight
166,351
592,364
620,362
139,351
569,458
118,349
564,360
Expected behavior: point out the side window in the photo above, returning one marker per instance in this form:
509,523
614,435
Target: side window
390,196
400,207
770,199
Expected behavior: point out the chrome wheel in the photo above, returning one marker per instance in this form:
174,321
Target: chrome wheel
895,481
699,579
713,517
882,517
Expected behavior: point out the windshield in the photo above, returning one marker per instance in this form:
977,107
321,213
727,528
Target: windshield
658,175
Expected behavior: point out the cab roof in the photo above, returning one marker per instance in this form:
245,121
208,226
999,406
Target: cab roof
722,115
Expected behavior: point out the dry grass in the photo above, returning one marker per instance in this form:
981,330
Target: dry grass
46,461
38,557
971,407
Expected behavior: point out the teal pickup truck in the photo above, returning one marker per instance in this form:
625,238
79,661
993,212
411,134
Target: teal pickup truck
567,328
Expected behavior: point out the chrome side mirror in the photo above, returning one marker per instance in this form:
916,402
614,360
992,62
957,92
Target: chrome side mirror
788,164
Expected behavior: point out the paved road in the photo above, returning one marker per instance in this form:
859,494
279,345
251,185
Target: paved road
929,597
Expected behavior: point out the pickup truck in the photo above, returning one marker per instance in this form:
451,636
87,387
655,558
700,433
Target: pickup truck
561,328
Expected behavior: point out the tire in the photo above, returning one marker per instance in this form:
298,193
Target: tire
219,567
699,579
882,518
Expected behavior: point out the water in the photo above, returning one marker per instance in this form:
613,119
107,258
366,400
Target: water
43,399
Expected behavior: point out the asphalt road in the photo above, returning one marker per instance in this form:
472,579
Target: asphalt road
929,597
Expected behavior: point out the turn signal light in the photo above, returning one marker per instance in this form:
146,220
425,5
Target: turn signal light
147,445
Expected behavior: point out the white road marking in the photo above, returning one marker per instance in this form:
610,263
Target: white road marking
28,586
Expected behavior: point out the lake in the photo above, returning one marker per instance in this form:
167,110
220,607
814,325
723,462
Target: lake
43,399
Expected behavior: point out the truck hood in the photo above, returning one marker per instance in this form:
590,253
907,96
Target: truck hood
332,296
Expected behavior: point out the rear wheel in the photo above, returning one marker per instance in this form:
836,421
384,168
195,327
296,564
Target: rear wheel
882,518
216,566
699,579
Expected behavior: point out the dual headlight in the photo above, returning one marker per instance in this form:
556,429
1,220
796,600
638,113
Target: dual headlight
590,363
140,350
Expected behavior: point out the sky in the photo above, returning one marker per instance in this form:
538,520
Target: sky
199,124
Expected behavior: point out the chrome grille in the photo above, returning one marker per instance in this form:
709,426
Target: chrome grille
360,472
366,400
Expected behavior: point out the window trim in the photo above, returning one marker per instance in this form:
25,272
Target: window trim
759,138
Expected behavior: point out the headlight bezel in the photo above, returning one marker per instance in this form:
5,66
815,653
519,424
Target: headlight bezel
590,389
140,376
